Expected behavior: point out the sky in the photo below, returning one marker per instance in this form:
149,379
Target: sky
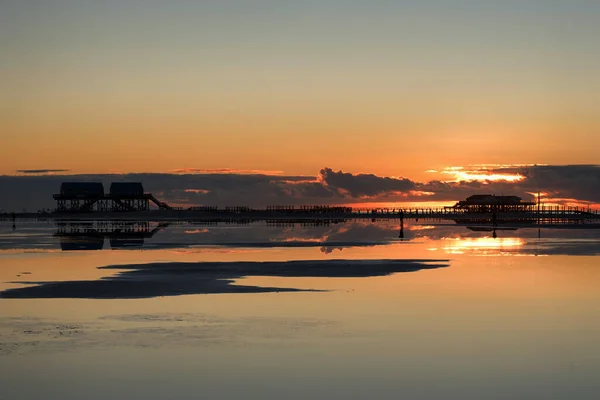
393,88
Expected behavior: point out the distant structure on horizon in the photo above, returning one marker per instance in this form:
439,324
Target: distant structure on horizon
89,197
485,203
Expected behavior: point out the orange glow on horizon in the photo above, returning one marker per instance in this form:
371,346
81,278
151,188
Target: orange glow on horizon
466,176
399,205
460,176
484,173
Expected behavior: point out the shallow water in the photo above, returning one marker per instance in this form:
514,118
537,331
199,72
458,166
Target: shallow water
343,310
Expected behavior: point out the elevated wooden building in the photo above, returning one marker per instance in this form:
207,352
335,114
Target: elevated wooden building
81,197
489,203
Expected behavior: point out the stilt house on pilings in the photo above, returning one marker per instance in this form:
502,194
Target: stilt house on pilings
78,197
489,203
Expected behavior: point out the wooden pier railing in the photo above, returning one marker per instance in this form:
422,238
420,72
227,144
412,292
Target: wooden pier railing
329,212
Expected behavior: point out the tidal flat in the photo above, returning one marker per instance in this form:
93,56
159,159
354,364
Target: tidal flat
115,309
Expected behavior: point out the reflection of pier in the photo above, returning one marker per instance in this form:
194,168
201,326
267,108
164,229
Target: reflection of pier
376,214
303,222
90,235
269,222
490,228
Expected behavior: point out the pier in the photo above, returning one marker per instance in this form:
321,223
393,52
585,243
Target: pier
544,215
127,201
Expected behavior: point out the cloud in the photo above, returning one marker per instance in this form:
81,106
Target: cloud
226,171
569,181
197,191
580,182
364,185
41,171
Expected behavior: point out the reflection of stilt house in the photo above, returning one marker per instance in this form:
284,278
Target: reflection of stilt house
90,235
488,203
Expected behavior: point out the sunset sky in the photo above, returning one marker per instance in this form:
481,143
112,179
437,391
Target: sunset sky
393,88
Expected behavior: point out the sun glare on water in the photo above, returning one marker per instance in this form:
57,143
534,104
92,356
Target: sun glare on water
482,245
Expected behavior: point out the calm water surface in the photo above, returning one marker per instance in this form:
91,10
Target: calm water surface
343,310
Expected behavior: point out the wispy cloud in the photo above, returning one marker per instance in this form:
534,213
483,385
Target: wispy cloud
226,171
197,191
41,171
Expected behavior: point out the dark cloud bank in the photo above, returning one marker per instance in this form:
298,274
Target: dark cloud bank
580,182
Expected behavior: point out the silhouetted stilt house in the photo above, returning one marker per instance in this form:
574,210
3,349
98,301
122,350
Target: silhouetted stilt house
489,203
128,196
90,197
80,197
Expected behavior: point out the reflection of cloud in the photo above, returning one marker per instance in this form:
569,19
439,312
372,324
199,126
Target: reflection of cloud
331,249
559,246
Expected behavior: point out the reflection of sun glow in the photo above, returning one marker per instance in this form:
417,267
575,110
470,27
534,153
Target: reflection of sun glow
482,245
195,231
421,227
